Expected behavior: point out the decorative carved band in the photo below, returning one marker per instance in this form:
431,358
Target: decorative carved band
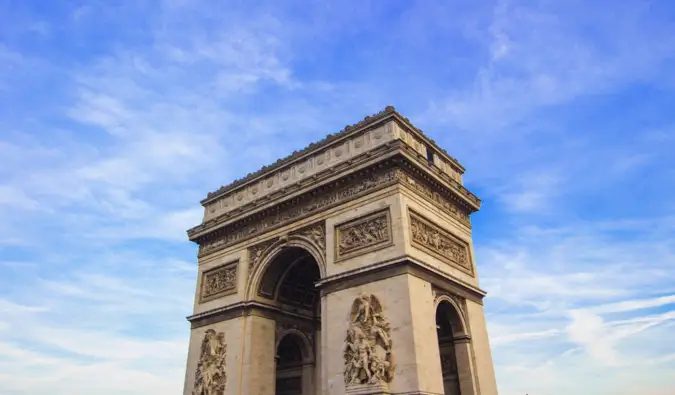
433,239
328,196
312,204
368,347
219,281
436,198
210,377
363,235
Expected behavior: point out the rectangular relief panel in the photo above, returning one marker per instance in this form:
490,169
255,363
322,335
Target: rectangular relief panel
362,235
439,242
219,281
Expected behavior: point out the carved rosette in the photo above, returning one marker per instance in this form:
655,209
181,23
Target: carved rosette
210,377
439,242
368,346
363,235
219,281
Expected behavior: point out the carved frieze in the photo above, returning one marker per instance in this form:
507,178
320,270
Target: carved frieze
368,346
312,203
219,281
305,207
436,198
316,233
363,235
210,377
433,239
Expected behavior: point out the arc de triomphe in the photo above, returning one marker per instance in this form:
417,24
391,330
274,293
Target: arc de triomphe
345,268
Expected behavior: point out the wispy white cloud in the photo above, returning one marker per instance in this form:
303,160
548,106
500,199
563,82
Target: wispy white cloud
102,171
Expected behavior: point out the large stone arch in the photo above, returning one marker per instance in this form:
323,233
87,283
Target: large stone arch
272,251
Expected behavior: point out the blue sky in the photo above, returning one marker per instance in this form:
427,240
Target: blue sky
117,118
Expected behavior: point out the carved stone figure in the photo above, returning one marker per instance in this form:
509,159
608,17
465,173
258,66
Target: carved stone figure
219,281
368,346
210,377
316,233
436,240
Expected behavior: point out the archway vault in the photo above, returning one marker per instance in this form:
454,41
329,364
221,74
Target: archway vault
274,252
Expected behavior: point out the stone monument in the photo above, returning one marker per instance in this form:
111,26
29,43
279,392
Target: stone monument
344,268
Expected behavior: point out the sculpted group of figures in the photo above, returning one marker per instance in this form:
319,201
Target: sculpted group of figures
210,376
367,349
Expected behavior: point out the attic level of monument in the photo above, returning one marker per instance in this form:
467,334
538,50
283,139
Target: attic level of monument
384,140
367,122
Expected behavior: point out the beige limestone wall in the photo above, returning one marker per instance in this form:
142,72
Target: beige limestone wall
430,376
213,262
259,349
360,209
482,355
234,336
408,305
432,213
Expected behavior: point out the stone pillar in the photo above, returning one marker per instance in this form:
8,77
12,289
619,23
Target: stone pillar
465,368
408,304
480,347
308,379
259,362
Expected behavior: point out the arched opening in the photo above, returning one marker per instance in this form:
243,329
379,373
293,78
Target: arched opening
289,283
447,324
289,366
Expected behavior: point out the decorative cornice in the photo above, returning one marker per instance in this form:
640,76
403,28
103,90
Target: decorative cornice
368,121
395,170
337,192
329,173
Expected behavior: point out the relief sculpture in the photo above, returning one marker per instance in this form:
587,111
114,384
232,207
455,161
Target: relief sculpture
210,378
363,235
439,242
368,347
219,282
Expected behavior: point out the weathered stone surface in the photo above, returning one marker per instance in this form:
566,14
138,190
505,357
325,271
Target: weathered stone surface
346,268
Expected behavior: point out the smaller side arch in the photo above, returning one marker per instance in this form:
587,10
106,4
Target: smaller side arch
306,346
457,319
